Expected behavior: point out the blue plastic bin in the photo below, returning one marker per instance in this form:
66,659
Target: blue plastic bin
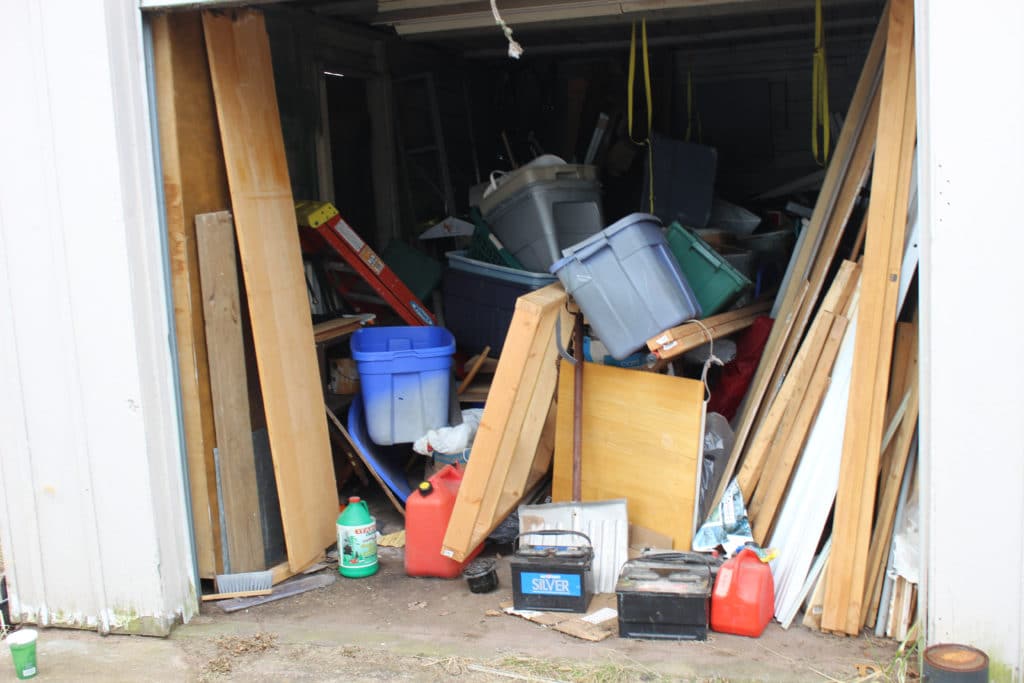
405,378
627,283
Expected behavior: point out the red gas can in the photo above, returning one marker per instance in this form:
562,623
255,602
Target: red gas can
743,599
427,512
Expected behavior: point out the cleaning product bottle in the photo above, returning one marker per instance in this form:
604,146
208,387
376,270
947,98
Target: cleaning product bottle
357,540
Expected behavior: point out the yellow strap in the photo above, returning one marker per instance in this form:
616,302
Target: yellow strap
819,91
650,108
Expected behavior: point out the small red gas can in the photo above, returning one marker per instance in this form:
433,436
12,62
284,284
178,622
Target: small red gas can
743,599
427,512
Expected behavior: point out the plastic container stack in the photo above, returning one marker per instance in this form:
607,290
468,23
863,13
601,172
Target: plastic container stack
543,207
628,283
480,298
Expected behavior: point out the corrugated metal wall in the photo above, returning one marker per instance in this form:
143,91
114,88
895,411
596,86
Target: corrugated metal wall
92,505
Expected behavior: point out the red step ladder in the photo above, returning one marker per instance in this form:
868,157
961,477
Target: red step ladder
323,217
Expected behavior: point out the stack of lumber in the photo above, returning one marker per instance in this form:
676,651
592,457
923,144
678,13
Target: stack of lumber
222,148
829,423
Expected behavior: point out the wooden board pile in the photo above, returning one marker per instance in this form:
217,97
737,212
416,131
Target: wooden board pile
828,425
215,69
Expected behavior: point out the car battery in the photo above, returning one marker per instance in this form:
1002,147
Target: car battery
552,578
665,596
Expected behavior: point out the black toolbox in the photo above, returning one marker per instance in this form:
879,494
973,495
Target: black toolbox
552,578
665,595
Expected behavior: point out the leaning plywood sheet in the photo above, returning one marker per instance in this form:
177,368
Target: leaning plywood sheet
509,441
641,441
268,243
883,256
194,182
236,462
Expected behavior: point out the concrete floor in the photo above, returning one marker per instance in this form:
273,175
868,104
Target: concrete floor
391,627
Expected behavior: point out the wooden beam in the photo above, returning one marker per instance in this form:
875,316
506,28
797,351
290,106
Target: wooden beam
897,454
218,268
268,242
194,182
883,256
801,293
678,340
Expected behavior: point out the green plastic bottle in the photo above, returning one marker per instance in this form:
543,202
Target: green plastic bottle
357,540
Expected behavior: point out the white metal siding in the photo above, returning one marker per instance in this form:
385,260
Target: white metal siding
93,519
971,94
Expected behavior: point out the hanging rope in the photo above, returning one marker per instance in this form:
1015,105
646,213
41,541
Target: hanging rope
515,50
819,90
646,140
692,113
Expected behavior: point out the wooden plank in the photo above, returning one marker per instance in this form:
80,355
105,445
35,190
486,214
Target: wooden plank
642,441
337,328
798,293
237,594
481,358
891,479
218,269
268,242
501,439
883,256
815,604
194,181
678,340
770,495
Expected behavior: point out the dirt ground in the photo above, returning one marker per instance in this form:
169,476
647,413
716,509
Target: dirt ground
392,627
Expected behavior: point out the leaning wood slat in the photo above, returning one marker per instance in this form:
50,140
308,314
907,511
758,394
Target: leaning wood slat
268,242
784,407
797,292
498,439
194,182
678,340
366,462
883,255
218,269
641,441
892,477
770,495
853,183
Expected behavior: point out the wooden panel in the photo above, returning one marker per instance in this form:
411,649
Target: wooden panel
641,441
801,292
218,268
883,256
506,445
268,243
194,182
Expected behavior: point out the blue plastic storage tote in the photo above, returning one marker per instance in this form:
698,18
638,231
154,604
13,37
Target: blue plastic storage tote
627,283
405,378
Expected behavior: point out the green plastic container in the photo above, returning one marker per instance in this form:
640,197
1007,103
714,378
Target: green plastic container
714,281
23,652
357,540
